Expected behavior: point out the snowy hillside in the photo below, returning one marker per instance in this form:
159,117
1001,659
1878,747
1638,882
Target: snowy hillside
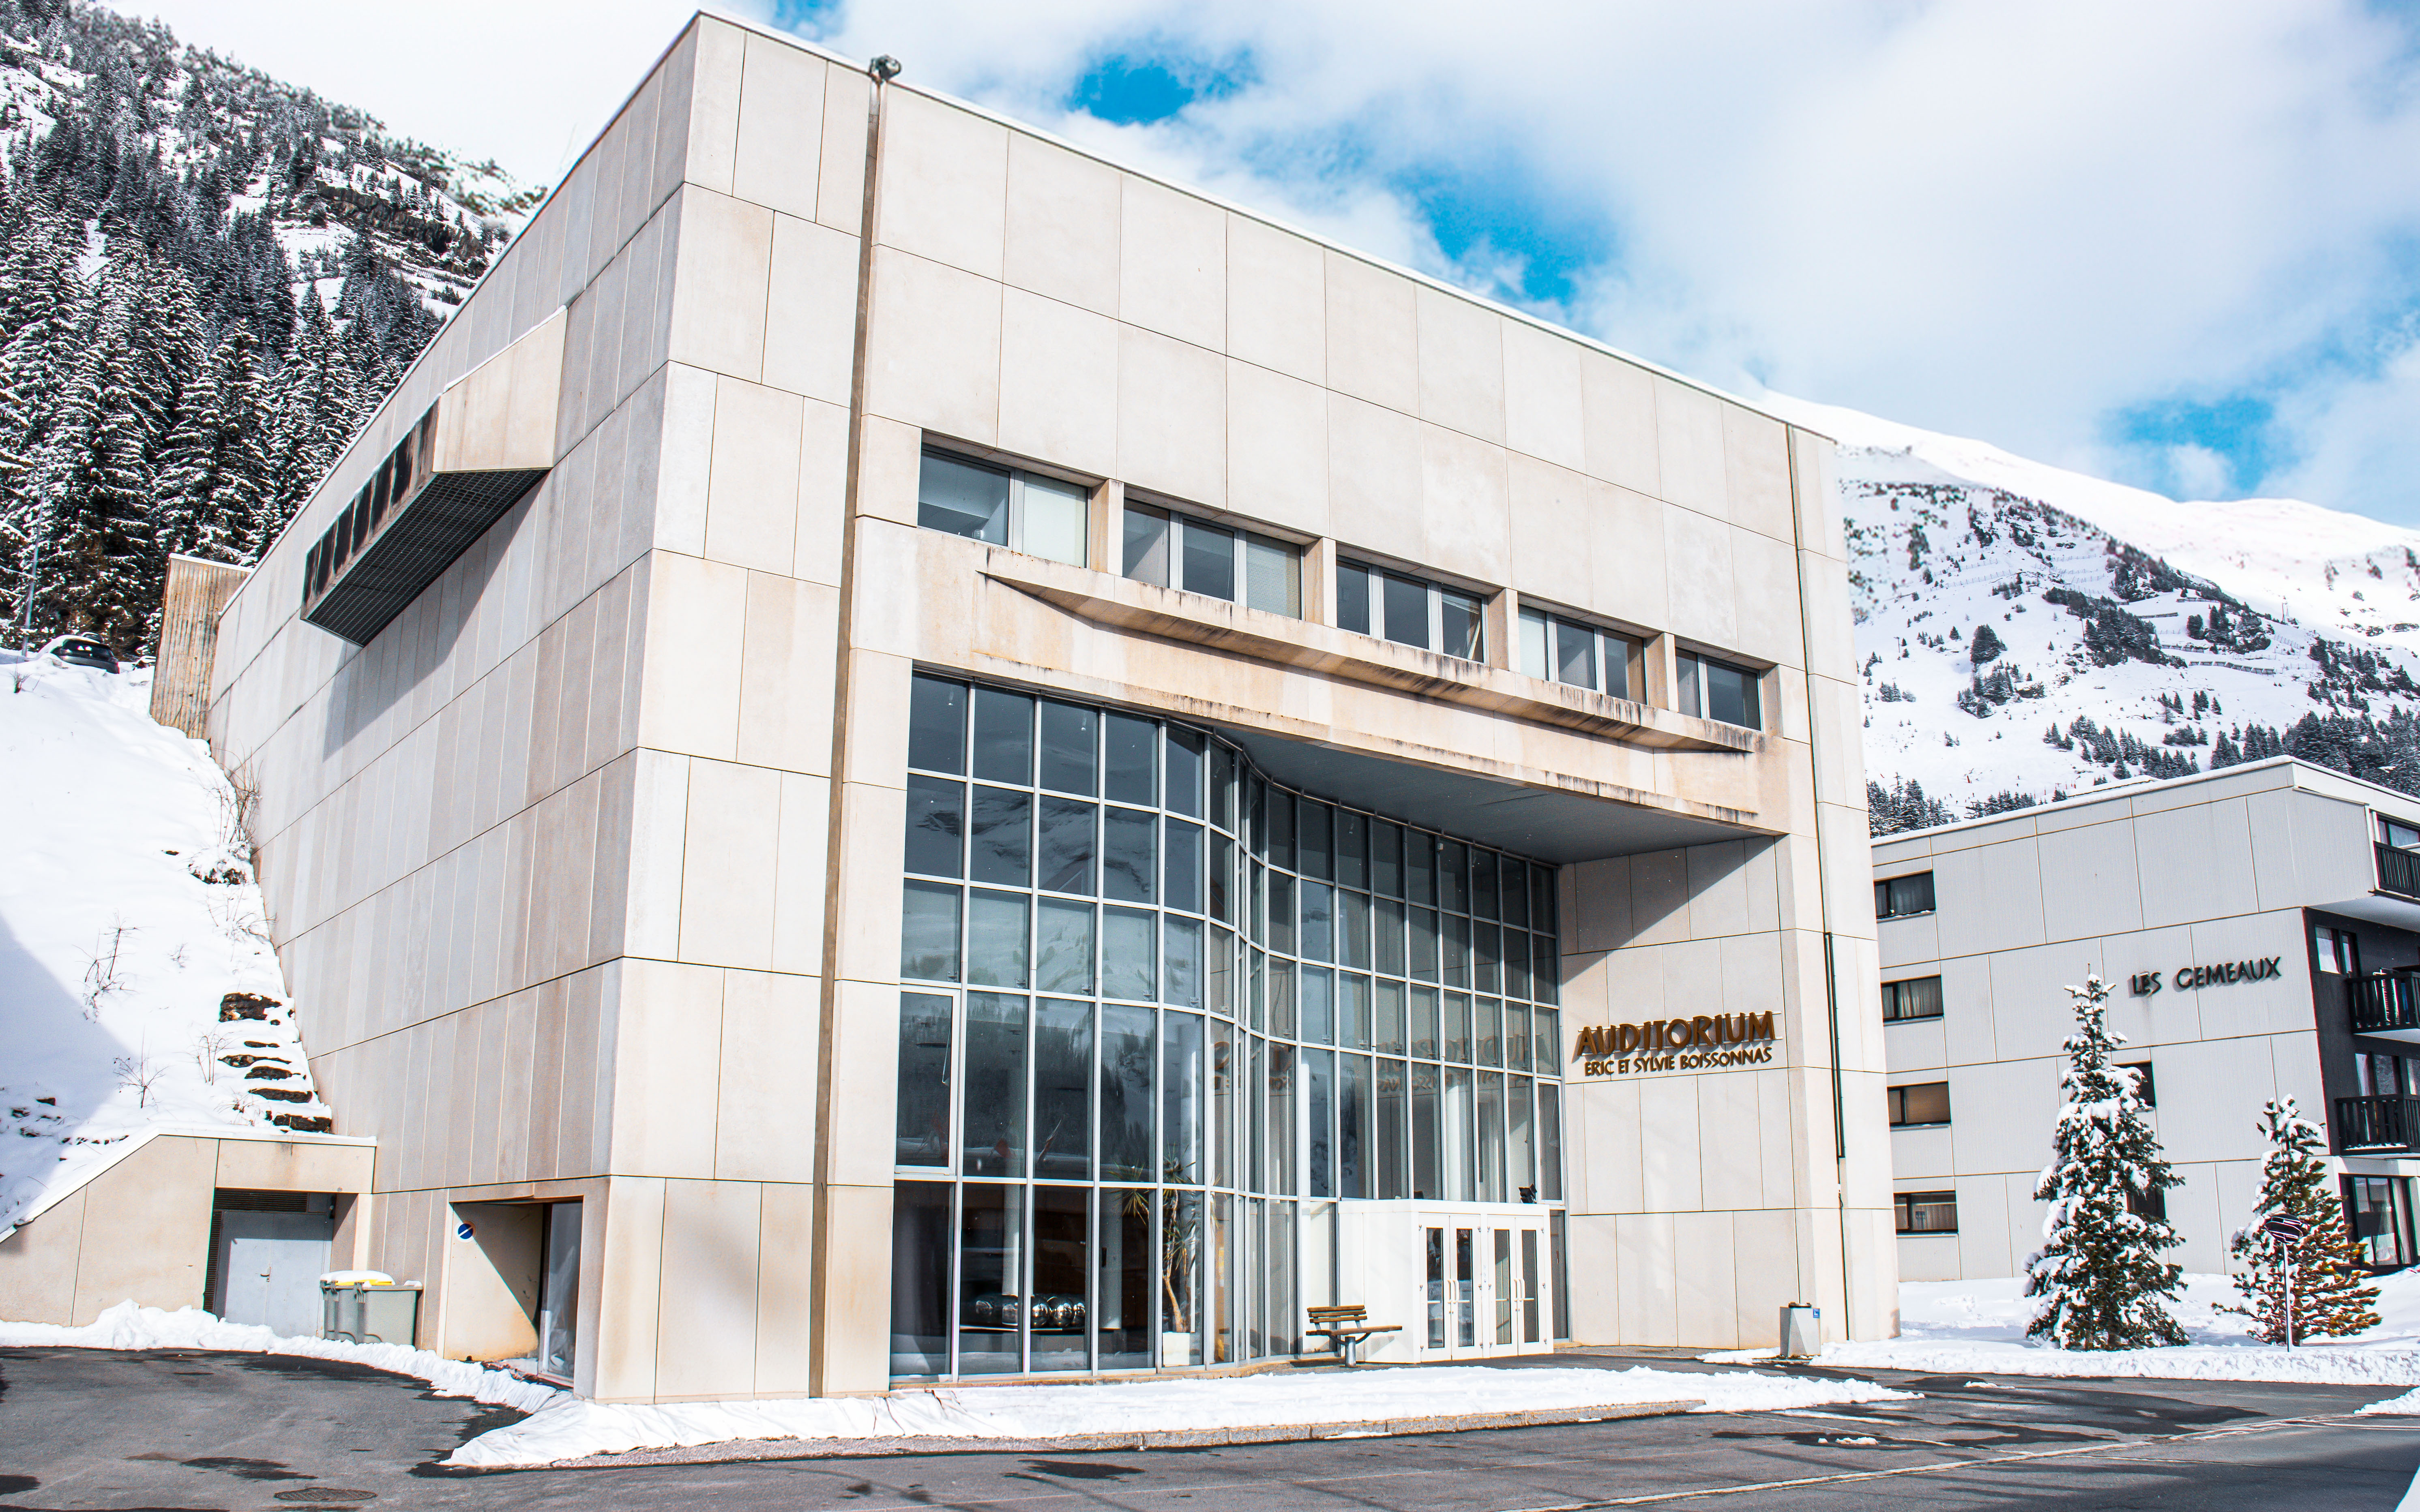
137,986
2122,635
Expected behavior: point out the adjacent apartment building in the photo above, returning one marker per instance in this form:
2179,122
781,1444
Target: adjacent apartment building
908,754
2259,927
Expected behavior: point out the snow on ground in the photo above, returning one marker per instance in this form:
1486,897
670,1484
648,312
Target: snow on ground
1978,1327
126,1326
569,1428
127,915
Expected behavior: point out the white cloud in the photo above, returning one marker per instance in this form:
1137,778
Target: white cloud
2360,441
2003,220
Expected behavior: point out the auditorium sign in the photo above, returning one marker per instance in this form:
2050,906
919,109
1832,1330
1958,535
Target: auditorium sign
2225,974
1705,1042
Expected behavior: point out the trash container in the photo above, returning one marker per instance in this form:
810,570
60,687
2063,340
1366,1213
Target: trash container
1801,1331
369,1312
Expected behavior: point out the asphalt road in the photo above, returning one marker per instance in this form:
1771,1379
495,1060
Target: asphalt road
170,1430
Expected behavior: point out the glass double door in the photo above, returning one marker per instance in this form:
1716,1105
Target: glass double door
1482,1286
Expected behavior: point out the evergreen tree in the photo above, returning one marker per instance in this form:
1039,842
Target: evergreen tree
2315,1287
2098,1273
320,400
214,467
1986,646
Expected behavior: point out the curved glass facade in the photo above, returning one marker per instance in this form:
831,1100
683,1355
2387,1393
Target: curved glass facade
1159,1016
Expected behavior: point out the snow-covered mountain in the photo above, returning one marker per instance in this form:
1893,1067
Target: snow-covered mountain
2026,632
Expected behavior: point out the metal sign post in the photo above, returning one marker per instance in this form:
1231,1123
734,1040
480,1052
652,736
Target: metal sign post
2286,1231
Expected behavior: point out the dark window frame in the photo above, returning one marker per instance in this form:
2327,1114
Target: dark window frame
1899,1102
1887,890
1893,997
1446,605
1903,1206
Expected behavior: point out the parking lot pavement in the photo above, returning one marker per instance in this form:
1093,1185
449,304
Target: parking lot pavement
156,1430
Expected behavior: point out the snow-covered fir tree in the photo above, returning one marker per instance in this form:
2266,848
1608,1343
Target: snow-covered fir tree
207,277
2099,1275
2315,1287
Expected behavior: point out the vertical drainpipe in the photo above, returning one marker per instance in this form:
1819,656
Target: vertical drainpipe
1823,892
819,1284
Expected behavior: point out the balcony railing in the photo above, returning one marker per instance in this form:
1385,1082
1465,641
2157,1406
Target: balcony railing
2390,1000
2399,871
2377,1122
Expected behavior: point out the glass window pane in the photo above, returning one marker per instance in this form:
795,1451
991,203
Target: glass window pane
1574,655
1460,1139
1550,1142
1218,971
1068,736
1123,1282
928,932
1514,893
936,826
1180,1267
1182,868
1458,621
1225,1067
963,499
1127,1053
1546,1040
1131,747
1281,998
1061,1245
923,1121
1354,1106
1129,854
1146,544
1353,930
1062,946
1318,1005
1181,982
1272,575
1690,670
1453,876
1000,836
1486,962
936,725
1281,927
1455,937
1516,1036
1407,610
1129,954
1544,970
1424,1022
1223,870
1490,1027
1311,838
1054,519
1426,1128
1184,772
1390,1152
1353,597
1352,848
1387,925
996,939
1209,560
1318,923
1618,681
992,1121
1731,694
1222,786
1457,1026
1065,846
1318,1076
1353,1012
1003,736
1386,858
1280,1124
1180,1094
1533,644
991,1271
1482,882
1419,866
1387,1018
919,1278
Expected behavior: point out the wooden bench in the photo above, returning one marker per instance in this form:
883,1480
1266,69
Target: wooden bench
1347,1327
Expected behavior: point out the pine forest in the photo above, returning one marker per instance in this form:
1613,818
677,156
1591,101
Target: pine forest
209,277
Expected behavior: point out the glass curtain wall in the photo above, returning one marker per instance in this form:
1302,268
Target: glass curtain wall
1158,1013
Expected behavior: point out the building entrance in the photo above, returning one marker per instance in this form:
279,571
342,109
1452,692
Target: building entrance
1483,1286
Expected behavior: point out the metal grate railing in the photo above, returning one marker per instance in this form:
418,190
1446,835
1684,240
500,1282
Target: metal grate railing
2377,1122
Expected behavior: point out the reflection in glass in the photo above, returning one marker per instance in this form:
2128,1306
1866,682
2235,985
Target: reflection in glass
993,1125
996,939
1063,946
936,826
1003,736
1318,1006
1427,1128
1129,854
936,725
1491,1136
1000,836
1130,759
1126,1054
1065,846
1180,1091
1179,1265
1455,1132
928,932
919,1278
991,1271
1069,735
1060,1328
1063,1090
1318,1071
1123,1280
1353,1134
1181,976
923,1105
1182,867
1393,1110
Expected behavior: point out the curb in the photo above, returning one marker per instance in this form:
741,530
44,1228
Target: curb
730,1451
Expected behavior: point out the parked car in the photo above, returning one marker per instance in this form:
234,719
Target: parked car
82,651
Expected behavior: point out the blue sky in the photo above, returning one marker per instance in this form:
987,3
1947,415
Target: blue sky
2174,242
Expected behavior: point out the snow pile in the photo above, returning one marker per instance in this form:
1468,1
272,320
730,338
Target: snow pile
1978,1327
569,1427
126,1326
133,954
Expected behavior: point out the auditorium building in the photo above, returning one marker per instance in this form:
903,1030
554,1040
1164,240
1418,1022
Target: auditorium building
910,755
